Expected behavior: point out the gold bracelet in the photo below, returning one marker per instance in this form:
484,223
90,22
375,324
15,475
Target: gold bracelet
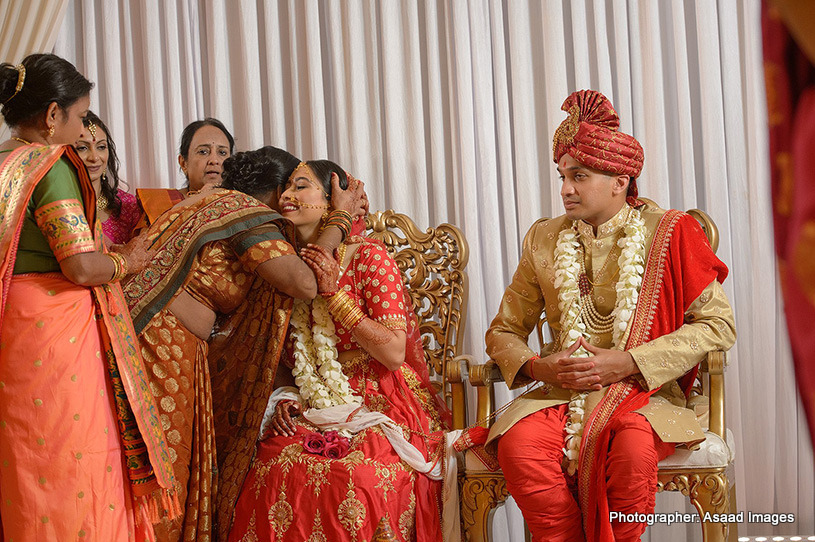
119,266
345,310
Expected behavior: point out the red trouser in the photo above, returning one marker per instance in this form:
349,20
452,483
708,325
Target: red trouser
531,455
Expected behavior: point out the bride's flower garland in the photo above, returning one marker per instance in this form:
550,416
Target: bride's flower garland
567,276
317,372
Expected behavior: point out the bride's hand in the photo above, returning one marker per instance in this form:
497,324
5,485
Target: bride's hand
282,422
353,199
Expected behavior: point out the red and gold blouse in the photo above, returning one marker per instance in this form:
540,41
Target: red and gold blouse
373,280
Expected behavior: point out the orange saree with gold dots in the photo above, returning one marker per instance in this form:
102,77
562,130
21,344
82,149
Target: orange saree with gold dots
81,449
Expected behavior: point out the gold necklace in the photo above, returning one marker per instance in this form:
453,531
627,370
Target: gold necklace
21,140
341,253
612,256
101,202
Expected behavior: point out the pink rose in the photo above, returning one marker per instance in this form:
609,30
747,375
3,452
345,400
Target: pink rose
331,436
337,449
314,443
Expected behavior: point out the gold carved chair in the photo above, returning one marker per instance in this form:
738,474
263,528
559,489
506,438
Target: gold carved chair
432,263
704,475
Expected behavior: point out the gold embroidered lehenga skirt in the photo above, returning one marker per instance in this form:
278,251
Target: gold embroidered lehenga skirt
293,495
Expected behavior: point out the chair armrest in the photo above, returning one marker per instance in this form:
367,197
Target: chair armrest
714,365
457,374
482,376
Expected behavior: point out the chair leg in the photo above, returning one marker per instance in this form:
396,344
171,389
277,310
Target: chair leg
480,494
733,535
709,493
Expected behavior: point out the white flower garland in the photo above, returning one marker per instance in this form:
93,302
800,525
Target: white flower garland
567,272
317,372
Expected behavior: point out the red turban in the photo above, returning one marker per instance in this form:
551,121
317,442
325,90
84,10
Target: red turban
590,135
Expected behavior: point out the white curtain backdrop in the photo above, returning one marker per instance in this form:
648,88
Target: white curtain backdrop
27,27
446,109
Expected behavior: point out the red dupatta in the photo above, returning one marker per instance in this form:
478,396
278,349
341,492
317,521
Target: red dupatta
679,267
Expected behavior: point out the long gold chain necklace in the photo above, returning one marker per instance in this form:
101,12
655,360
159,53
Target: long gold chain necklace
595,321
21,140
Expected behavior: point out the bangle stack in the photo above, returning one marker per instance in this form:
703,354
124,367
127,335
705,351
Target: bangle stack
119,266
345,310
341,219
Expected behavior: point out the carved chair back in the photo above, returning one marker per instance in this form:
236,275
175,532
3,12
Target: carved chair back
432,263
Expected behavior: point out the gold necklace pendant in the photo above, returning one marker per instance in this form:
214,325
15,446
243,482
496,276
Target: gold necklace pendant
101,202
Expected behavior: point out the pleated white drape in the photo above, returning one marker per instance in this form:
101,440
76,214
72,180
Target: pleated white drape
446,109
25,28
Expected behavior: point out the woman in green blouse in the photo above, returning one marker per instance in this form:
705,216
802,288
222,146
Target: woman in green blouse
81,449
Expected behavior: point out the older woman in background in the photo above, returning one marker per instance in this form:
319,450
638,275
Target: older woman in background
205,144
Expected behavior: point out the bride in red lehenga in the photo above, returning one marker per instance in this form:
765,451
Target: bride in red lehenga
359,438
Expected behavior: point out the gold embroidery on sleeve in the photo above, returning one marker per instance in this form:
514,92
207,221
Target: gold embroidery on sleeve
65,228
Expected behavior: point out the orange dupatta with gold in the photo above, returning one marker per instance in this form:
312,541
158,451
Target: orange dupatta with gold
142,438
679,266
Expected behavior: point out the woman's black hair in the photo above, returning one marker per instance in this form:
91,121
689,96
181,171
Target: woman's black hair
110,180
189,132
258,172
323,169
48,78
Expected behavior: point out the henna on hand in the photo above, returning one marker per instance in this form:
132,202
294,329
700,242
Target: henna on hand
348,199
325,267
369,332
282,422
137,252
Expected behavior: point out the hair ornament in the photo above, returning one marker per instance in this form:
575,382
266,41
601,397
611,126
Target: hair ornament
20,81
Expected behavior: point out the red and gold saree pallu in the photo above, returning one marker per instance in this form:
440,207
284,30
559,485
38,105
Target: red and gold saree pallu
177,359
789,72
97,347
676,272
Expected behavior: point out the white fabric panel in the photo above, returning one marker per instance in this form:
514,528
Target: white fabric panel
26,27
446,111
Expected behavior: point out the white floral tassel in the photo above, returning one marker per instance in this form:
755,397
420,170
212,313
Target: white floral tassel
317,371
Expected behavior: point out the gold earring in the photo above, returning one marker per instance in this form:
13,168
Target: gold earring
51,131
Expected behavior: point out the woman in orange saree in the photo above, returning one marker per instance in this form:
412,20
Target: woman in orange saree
370,446
220,252
81,448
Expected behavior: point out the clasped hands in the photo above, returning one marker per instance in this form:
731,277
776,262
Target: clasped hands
602,368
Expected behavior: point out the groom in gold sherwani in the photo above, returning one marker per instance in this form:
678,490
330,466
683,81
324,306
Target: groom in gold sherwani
633,296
